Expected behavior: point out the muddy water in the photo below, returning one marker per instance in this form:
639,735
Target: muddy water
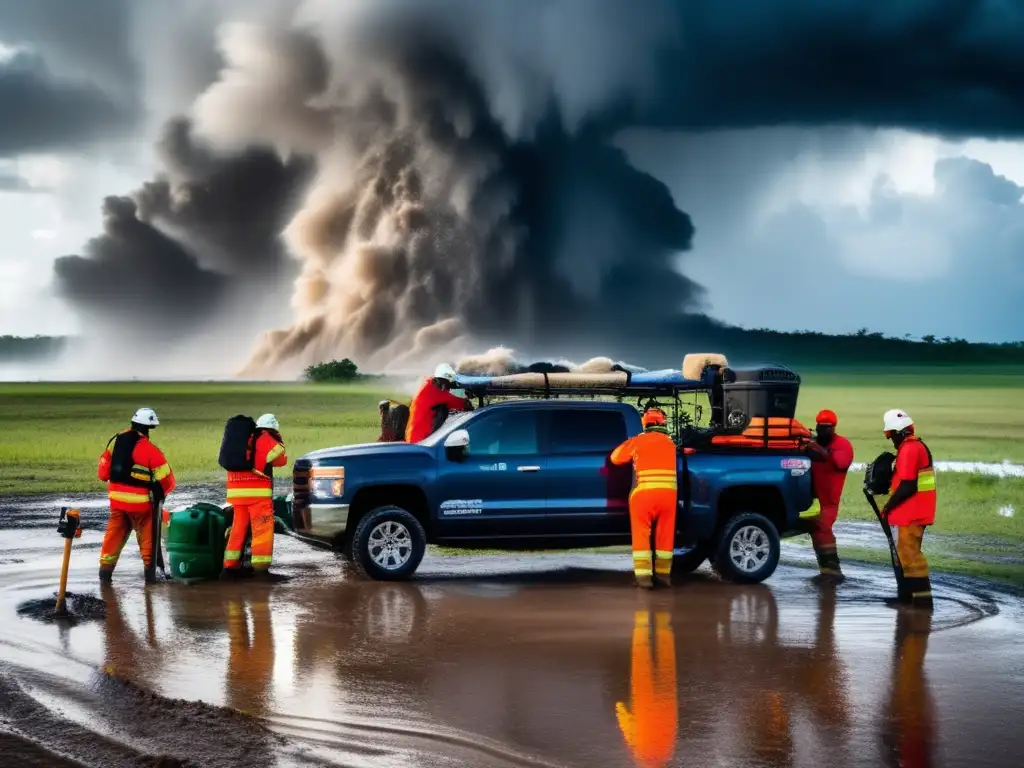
487,661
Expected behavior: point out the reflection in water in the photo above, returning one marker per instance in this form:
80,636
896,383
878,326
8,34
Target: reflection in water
909,735
126,654
249,678
651,719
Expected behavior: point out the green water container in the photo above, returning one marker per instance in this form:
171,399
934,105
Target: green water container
283,521
195,542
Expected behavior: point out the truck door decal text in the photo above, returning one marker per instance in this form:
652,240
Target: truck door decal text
460,507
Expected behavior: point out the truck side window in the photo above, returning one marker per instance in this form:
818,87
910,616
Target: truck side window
504,434
577,430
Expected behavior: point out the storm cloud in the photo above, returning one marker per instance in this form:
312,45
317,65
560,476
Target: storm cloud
449,170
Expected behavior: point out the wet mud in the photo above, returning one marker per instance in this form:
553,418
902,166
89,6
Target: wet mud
77,608
529,660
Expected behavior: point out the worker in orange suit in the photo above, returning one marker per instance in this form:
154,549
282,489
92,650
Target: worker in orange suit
431,404
911,506
251,496
831,456
651,721
652,502
138,477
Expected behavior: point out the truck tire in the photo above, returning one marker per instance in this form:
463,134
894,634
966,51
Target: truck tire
748,549
388,544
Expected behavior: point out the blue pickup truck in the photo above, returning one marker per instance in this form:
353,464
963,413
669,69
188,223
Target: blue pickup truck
534,473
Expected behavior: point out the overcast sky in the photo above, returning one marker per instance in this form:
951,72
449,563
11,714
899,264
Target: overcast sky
811,227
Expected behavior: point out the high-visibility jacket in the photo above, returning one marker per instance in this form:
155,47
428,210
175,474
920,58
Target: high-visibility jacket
149,468
421,410
914,462
653,454
829,474
258,483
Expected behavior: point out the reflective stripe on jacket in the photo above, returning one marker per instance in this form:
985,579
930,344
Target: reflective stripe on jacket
149,464
257,484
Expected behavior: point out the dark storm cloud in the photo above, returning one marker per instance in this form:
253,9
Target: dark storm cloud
945,66
39,112
466,181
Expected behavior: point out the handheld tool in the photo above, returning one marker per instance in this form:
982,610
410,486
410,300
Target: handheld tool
157,558
897,567
70,528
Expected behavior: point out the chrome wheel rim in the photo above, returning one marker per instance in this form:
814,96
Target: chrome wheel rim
390,545
749,549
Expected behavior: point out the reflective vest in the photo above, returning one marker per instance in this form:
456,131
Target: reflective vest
914,461
653,454
247,487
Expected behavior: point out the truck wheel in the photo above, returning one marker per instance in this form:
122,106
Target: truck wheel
748,549
691,561
388,544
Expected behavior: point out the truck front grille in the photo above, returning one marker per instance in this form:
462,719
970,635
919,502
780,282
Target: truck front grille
300,499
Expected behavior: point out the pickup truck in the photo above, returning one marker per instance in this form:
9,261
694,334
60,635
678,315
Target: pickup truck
536,475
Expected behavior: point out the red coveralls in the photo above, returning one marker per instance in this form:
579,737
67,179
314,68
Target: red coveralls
251,496
652,501
421,413
829,475
131,506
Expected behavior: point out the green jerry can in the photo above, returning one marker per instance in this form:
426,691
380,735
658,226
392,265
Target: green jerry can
195,541
283,522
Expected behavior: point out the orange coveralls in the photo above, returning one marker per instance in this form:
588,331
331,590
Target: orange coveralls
652,500
251,496
651,721
131,506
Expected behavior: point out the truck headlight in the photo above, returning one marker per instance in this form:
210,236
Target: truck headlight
327,482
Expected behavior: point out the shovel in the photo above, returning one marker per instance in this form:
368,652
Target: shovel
157,560
897,568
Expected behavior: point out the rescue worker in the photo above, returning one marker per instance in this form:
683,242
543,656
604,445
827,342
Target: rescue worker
650,722
251,496
911,506
138,478
653,498
433,397
831,456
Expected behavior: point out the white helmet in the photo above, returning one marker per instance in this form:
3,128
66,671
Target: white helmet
268,421
896,421
146,417
445,371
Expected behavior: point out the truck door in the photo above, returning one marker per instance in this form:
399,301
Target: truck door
498,488
586,493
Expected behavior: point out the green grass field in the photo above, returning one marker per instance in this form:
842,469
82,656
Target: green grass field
53,433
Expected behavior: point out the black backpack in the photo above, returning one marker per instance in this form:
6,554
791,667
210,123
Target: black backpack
878,476
122,463
238,448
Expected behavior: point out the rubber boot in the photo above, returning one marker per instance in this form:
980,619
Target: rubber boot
663,579
230,574
920,592
149,578
902,595
645,582
106,576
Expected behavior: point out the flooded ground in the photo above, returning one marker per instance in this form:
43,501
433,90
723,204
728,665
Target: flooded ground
493,661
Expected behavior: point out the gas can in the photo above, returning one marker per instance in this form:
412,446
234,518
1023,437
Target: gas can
195,542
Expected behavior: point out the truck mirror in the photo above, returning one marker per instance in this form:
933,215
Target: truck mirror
456,445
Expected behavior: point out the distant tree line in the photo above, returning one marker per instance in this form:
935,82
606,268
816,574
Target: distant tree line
22,348
794,348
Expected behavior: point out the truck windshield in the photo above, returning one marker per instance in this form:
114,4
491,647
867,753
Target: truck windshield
448,426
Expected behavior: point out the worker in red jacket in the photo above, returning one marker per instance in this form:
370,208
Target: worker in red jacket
911,506
138,477
434,398
251,496
652,502
831,457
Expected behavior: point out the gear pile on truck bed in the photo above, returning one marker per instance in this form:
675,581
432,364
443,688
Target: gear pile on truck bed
723,408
